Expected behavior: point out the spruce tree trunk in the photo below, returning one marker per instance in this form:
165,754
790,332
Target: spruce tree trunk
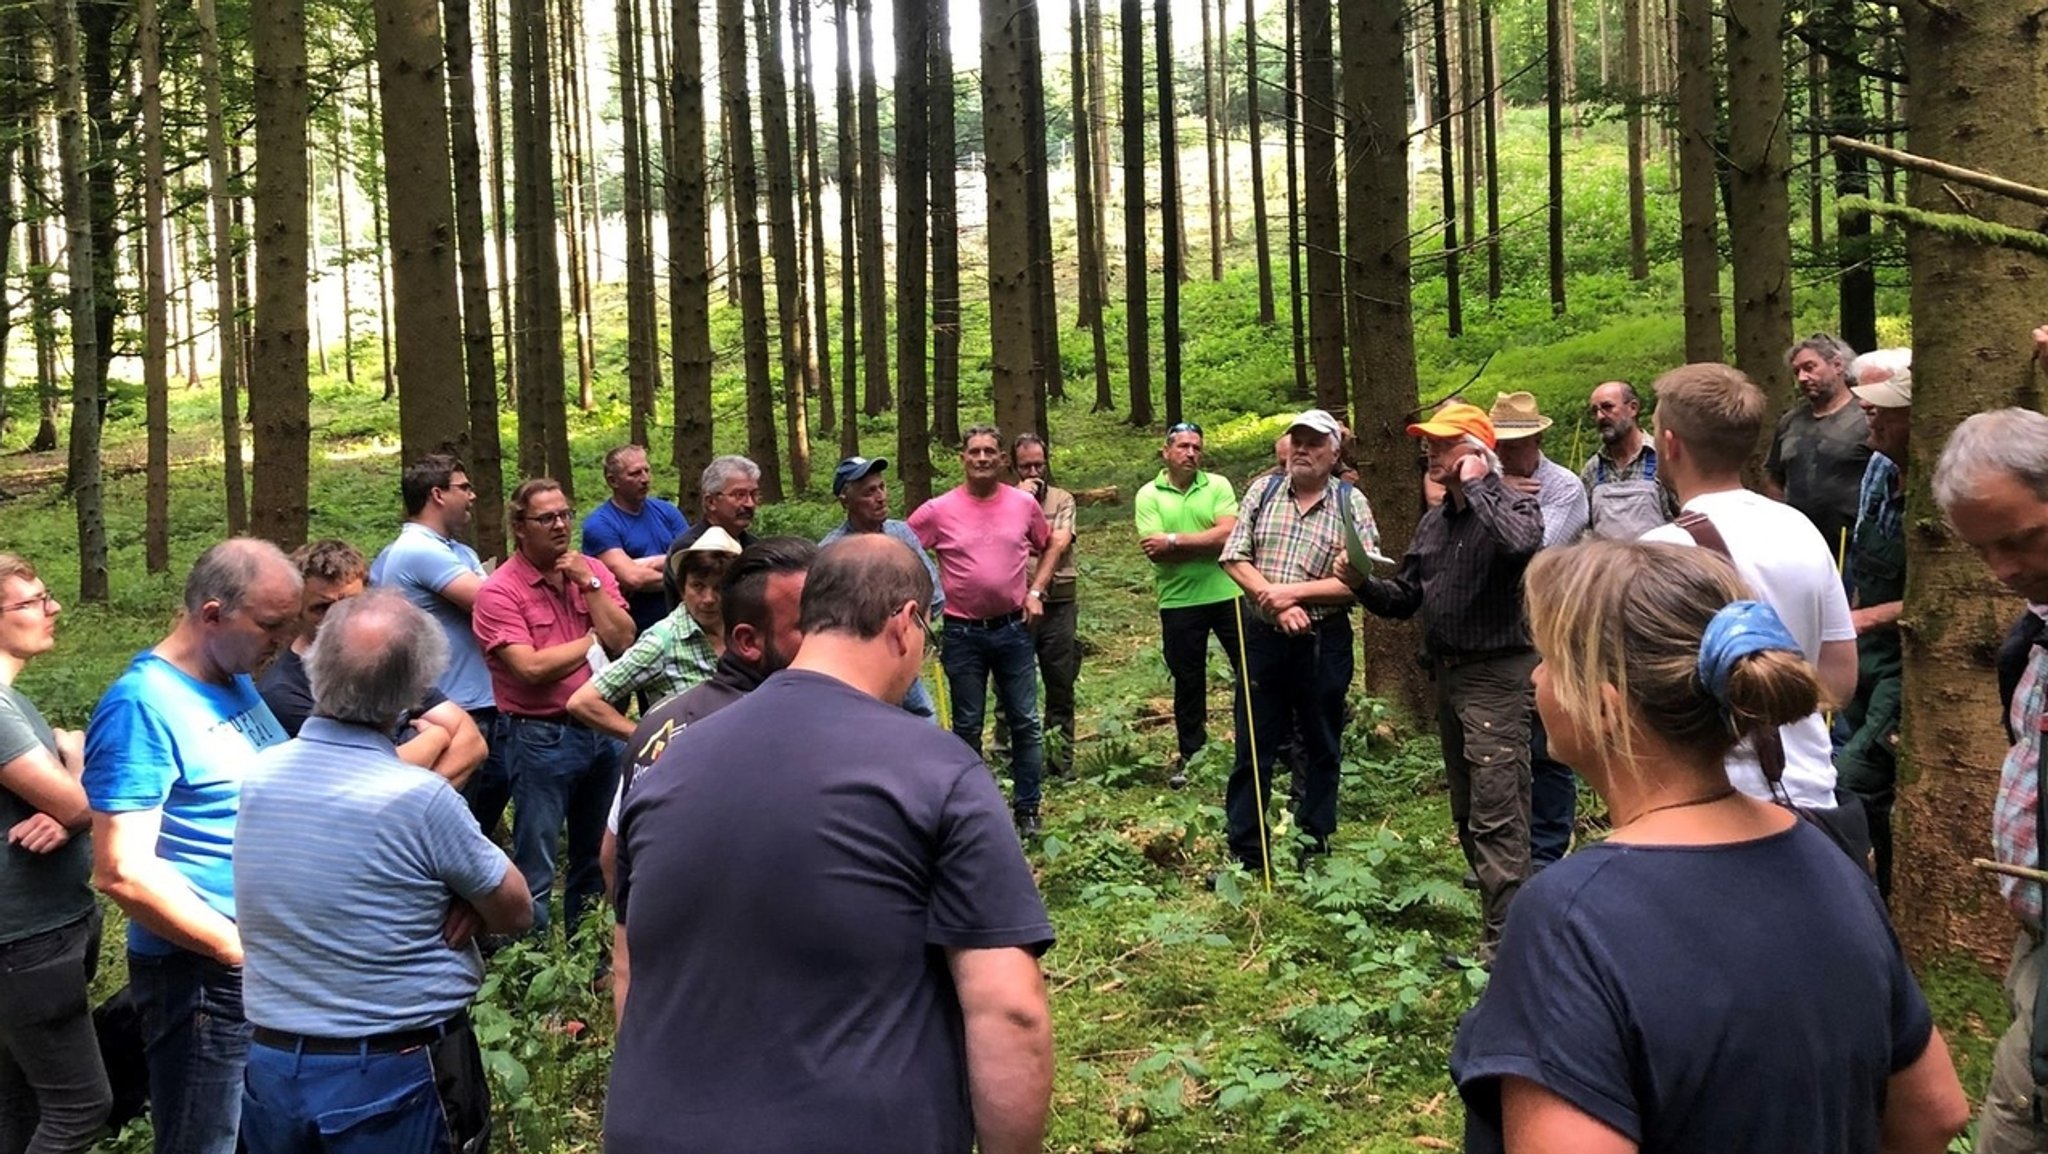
576,193
543,415
1490,131
278,393
874,301
378,248
1699,218
1222,83
1382,327
1323,236
850,189
343,258
155,254
791,306
1006,133
1292,119
480,375
913,175
1857,281
1048,371
641,342
227,304
1557,56
1260,242
810,208
1209,142
433,408
688,213
1089,242
43,300
1098,137
494,105
1976,73
1759,217
1632,67
746,195
1173,233
1454,305
1137,316
945,233
83,475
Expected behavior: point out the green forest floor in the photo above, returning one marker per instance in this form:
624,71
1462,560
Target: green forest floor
1314,1018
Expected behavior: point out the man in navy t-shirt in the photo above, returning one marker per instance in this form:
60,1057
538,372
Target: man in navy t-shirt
835,944
631,533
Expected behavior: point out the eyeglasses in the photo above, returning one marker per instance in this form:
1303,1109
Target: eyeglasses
558,517
45,602
1184,427
465,486
924,622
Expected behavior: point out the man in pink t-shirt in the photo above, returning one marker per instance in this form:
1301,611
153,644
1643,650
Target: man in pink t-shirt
983,534
537,619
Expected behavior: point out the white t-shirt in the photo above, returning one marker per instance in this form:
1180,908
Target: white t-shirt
1785,561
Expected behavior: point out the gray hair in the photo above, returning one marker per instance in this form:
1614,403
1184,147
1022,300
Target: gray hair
375,657
226,572
2009,441
1890,362
721,471
1831,348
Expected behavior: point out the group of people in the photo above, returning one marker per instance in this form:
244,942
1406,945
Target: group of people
296,796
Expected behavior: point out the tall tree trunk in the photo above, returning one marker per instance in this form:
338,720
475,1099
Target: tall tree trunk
874,303
1088,242
1172,234
688,213
156,309
641,341
1699,220
746,195
1490,131
377,245
1454,304
1005,131
1324,239
1816,133
1223,113
189,279
1976,73
818,370
278,394
1209,141
1632,67
791,306
576,201
42,297
913,175
1292,119
543,415
433,408
343,256
1557,57
83,474
485,460
100,24
851,188
1857,281
226,306
495,108
1382,327
1048,371
727,212
945,231
1098,137
1260,241
1759,219
1137,316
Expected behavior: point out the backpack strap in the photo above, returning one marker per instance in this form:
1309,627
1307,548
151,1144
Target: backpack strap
1768,743
1273,483
1704,534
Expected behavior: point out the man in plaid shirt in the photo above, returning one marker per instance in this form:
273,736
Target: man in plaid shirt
1990,485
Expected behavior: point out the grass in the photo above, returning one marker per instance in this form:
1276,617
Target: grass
1313,1018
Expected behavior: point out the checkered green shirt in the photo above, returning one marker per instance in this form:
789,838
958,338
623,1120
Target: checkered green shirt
673,655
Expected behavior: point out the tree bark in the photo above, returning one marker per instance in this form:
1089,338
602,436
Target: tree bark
543,416
1006,135
642,347
1209,142
1632,67
1856,286
792,308
495,108
1292,119
913,175
945,232
1098,137
485,460
1557,60
1976,71
1699,219
1759,217
746,195
688,212
1048,370
851,187
1260,241
1137,316
818,369
1490,131
1089,242
1454,304
155,252
278,393
227,304
1325,265
874,302
83,475
1172,236
576,200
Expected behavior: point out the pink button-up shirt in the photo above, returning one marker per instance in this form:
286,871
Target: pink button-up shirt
517,606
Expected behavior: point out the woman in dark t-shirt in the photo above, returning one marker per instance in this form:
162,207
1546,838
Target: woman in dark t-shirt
1715,976
57,1096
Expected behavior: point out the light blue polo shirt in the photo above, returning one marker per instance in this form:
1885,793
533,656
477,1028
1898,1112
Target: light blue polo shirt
419,564
345,862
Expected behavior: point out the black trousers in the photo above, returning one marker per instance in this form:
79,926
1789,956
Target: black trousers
1294,682
1184,634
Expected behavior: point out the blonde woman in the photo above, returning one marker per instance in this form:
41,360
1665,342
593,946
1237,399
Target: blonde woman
1716,976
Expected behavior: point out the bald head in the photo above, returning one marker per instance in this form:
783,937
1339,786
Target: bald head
228,573
859,581
375,657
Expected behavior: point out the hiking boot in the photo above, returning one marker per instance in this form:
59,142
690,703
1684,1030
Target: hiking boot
1027,824
1178,779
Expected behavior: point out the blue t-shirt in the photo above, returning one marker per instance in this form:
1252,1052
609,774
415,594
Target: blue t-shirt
160,739
789,897
647,533
419,564
345,861
1718,999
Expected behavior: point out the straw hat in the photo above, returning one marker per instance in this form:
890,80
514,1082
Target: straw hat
1515,415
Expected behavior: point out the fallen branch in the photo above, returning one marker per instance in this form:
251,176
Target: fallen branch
2024,873
1983,180
1951,224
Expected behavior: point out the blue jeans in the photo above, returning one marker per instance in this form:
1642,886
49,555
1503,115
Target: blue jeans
1553,799
196,1043
970,654
561,772
363,1103
919,701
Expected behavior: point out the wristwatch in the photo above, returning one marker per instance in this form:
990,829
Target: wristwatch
1038,594
1173,540
594,584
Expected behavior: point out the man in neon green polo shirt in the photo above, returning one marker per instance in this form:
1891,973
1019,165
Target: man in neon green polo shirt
1184,515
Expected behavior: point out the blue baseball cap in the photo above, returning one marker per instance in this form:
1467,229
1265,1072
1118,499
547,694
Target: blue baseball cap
853,469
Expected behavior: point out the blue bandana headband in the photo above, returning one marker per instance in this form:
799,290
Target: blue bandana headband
1738,630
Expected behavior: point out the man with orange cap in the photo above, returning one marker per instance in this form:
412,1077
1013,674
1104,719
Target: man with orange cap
1463,571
